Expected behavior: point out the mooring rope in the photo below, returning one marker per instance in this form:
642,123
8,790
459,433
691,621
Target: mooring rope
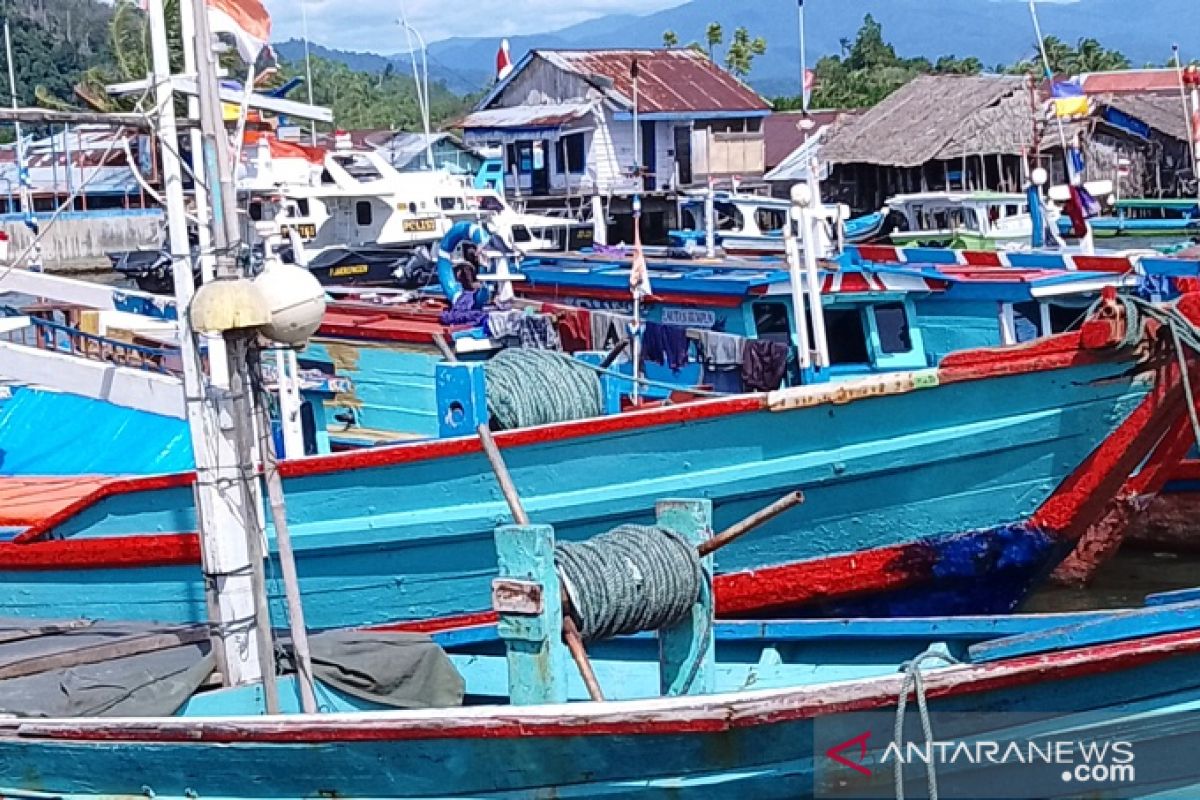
630,579
539,387
915,682
1183,334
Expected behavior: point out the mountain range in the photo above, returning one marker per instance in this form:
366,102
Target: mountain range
995,31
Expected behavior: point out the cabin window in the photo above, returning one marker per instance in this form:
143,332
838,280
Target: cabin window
572,155
362,212
1065,318
1027,321
770,220
728,217
256,210
302,207
771,322
521,234
846,336
449,203
891,320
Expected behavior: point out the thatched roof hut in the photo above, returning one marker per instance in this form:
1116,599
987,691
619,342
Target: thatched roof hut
1162,112
941,118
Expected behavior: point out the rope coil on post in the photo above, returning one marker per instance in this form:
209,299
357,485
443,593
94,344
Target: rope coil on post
540,387
630,579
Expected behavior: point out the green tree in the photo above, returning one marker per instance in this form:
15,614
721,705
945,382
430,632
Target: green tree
952,65
670,39
714,35
739,59
1091,56
869,50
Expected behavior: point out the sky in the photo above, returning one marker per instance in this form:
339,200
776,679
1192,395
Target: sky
370,25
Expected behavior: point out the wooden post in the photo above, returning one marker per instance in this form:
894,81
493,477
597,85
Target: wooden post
528,598
687,661
461,396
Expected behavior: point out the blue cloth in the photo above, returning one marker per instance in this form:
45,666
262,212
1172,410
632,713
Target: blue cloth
665,344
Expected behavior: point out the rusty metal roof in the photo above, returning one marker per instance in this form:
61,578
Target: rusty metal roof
549,115
1135,81
673,81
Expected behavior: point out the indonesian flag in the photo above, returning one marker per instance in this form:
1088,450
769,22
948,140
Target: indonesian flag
246,20
504,64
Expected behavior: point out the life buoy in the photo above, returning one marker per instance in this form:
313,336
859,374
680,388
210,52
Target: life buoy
464,231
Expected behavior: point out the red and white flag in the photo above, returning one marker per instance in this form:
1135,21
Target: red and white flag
504,63
247,21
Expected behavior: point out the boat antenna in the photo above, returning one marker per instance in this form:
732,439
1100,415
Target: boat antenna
312,126
421,80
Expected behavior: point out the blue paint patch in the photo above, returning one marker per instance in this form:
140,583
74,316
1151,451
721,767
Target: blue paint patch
981,572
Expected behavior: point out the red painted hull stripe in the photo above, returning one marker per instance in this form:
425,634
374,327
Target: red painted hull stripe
1056,352
680,716
556,294
982,258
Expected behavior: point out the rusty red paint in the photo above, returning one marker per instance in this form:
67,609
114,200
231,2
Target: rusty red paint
1132,81
676,81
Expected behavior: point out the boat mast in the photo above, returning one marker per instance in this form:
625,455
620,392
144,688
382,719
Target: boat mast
222,516
24,190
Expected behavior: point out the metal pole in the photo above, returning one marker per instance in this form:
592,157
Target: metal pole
808,223
792,249
220,516
710,221
22,170
312,125
637,131
803,60
1086,242
216,147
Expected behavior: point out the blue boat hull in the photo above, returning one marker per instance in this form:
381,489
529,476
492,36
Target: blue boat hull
770,742
919,496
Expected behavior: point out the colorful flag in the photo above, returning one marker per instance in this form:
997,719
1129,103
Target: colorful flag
504,65
247,21
639,272
1069,99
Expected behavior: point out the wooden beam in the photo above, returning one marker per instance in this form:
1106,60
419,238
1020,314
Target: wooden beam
94,654
46,116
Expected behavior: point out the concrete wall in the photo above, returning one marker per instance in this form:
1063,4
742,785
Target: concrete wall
81,240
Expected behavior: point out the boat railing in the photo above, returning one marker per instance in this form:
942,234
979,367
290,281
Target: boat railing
47,335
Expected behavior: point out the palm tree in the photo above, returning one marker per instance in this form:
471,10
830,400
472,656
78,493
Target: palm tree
714,35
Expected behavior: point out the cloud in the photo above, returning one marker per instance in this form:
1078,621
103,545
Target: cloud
370,25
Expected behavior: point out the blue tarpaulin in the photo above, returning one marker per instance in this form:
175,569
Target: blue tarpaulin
50,433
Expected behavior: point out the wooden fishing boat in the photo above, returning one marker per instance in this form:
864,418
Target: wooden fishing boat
948,489
752,225
1145,217
789,707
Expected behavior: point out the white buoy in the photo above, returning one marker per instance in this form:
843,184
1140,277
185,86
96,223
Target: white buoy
295,299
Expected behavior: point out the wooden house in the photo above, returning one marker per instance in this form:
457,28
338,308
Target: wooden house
566,121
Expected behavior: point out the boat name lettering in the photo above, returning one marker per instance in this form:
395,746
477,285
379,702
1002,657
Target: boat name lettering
689,317
428,225
349,269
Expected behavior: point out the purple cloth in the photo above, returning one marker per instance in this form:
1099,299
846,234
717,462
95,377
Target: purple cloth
464,312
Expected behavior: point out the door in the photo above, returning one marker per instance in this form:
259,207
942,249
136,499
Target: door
683,154
540,175
649,153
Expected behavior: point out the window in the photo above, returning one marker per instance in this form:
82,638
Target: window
362,212
728,217
892,323
302,206
771,322
1065,318
770,220
489,202
572,155
256,210
1027,321
521,234
846,336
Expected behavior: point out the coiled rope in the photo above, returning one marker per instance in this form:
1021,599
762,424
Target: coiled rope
539,387
1183,334
632,578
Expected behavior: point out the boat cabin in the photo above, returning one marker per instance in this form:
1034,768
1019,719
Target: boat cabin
965,220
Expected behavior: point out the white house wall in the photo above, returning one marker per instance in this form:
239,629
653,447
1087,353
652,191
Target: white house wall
539,83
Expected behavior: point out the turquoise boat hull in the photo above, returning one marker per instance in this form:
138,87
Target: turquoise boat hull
950,490
809,693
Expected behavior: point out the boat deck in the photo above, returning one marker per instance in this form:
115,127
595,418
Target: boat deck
26,501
